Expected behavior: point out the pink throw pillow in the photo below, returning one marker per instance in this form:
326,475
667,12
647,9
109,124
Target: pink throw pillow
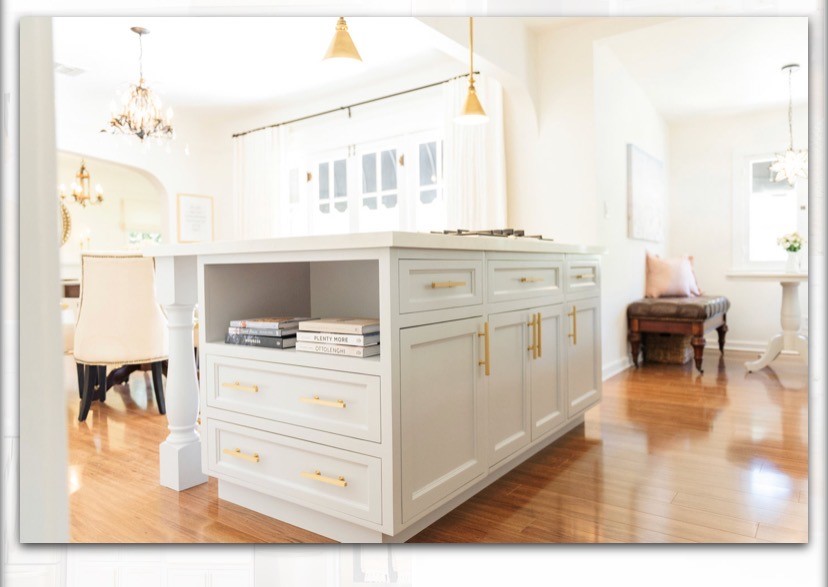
670,277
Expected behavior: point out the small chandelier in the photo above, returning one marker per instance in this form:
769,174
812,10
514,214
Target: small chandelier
791,164
141,113
82,189
342,46
472,112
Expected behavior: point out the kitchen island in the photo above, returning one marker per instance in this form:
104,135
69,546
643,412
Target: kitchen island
490,351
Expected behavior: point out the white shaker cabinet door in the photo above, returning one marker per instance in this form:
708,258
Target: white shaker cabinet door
583,355
546,373
230,578
145,576
507,386
31,576
442,411
186,578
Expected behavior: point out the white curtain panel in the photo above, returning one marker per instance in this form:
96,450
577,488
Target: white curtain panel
474,159
260,177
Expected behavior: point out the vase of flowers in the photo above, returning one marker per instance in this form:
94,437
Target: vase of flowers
792,243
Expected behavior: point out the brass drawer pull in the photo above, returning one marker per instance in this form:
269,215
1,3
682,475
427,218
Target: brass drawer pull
486,349
531,279
534,346
539,326
323,402
317,476
236,452
574,334
240,387
446,284
583,275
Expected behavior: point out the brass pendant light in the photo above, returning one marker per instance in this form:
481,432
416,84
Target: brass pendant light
472,112
342,46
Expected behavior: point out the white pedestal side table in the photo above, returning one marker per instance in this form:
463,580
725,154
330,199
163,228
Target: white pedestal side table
790,338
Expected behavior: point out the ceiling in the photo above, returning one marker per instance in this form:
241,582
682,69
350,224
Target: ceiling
693,66
217,61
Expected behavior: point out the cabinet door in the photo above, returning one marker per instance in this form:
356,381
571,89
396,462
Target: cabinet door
149,576
583,355
230,578
186,578
507,386
546,373
442,411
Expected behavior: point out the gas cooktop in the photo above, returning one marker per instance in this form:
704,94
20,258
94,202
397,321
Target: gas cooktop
501,232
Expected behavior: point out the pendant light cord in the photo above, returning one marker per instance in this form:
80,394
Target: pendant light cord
140,57
790,108
471,50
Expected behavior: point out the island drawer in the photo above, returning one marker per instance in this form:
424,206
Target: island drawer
313,475
321,399
435,284
515,280
582,277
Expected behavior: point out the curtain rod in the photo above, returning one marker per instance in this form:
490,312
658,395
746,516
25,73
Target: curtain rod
354,105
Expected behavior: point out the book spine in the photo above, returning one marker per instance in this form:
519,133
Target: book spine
333,349
262,331
333,338
265,341
334,328
263,325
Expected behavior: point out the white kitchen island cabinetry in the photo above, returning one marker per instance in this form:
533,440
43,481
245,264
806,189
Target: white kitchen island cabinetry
476,372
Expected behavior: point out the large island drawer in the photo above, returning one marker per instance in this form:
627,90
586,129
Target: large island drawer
435,284
316,476
320,399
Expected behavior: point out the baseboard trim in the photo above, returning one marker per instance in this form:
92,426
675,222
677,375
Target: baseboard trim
745,346
615,367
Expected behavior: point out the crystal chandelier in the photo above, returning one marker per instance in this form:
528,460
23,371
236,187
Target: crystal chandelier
141,113
82,189
791,164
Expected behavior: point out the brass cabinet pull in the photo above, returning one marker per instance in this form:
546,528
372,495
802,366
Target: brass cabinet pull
530,279
539,326
444,284
240,387
236,452
323,402
487,359
583,275
574,334
318,476
534,346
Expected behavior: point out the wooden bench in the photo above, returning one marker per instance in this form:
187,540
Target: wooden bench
692,316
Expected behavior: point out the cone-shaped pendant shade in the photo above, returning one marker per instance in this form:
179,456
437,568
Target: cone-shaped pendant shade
342,47
472,112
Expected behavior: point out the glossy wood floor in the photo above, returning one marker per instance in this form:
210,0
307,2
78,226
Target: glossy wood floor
669,456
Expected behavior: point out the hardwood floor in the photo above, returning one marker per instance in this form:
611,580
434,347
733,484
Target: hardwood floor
668,456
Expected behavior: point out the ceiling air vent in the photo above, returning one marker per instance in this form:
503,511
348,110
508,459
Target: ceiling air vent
68,70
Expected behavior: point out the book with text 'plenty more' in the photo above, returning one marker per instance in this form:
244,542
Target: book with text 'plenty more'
333,338
262,331
341,325
273,342
338,349
275,322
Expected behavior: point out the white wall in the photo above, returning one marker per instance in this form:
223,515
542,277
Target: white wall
701,211
623,115
560,178
207,170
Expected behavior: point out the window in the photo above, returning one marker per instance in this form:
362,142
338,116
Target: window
764,210
393,184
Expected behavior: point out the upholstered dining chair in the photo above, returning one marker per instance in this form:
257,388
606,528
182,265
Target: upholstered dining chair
119,323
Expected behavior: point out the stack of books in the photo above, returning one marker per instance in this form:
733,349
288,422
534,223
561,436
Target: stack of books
274,332
353,337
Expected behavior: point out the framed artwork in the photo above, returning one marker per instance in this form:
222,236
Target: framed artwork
645,195
194,218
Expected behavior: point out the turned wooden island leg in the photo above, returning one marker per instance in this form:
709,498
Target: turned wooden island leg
180,453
